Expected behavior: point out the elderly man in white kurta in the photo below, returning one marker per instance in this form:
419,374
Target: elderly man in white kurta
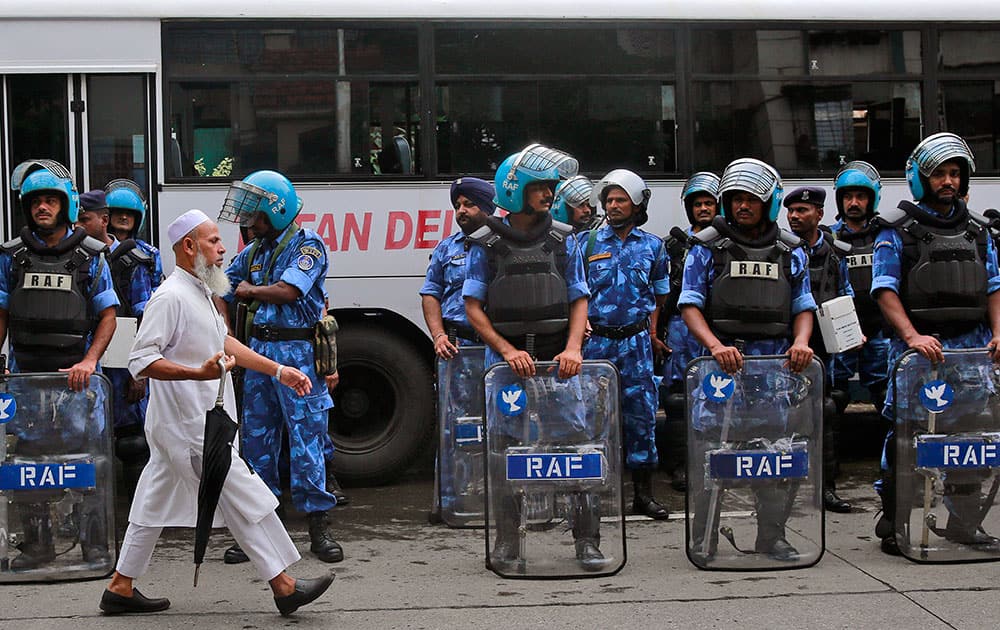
178,346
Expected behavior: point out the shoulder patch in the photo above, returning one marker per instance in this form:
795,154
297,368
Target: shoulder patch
601,256
309,250
305,262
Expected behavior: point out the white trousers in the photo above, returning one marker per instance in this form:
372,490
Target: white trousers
266,543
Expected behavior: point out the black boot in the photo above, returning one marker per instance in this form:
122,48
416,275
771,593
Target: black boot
676,437
506,552
37,548
964,516
94,537
831,417
772,512
322,543
587,531
644,503
235,555
333,487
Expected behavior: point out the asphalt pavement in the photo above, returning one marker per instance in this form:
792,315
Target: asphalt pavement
401,572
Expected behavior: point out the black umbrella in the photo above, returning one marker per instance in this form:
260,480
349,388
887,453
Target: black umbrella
216,457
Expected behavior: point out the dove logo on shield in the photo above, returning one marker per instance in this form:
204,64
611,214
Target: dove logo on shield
937,396
8,407
511,400
718,386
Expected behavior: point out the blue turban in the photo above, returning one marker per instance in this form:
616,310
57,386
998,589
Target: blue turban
478,192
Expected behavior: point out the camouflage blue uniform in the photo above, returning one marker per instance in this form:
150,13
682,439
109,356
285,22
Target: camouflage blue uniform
444,280
477,281
683,345
886,274
625,277
102,298
156,277
270,408
462,396
871,362
699,274
139,292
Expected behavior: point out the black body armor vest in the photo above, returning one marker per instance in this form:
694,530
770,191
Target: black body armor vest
824,268
859,271
751,297
123,261
528,293
943,284
48,309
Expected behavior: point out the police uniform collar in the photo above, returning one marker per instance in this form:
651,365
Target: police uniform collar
819,241
114,242
66,235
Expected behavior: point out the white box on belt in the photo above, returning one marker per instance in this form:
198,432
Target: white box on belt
838,323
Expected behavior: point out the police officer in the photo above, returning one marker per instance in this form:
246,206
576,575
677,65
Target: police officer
441,295
60,330
520,327
736,315
127,219
700,197
627,272
132,271
281,275
828,279
857,189
913,254
572,204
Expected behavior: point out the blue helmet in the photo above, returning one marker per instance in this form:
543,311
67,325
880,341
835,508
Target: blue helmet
858,174
572,193
703,182
755,177
269,192
535,163
932,152
33,177
124,194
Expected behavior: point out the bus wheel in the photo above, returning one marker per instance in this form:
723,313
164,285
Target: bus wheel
383,411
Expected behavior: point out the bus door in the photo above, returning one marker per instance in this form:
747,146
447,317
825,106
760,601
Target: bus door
98,125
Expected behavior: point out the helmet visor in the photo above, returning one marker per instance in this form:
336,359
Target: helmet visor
243,202
541,158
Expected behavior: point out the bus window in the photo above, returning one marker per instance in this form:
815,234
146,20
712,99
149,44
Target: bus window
301,127
292,97
603,123
972,110
806,126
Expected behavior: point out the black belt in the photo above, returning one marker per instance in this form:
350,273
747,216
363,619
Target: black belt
461,331
620,332
270,333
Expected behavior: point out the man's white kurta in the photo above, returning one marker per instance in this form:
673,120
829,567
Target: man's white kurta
181,324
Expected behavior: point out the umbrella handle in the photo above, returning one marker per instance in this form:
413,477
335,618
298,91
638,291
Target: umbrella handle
222,383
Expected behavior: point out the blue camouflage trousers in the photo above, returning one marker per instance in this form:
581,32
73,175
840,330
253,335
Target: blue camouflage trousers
871,362
685,349
271,410
125,413
634,359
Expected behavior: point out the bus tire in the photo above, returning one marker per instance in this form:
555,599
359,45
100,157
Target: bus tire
383,411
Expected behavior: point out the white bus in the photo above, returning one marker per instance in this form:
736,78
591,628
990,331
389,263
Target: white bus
372,108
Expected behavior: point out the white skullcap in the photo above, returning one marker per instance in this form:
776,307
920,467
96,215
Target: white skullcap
184,224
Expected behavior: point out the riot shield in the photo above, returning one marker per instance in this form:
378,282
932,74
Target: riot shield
56,479
947,457
460,453
754,465
553,478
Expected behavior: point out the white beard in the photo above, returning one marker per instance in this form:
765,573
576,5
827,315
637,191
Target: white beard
212,275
